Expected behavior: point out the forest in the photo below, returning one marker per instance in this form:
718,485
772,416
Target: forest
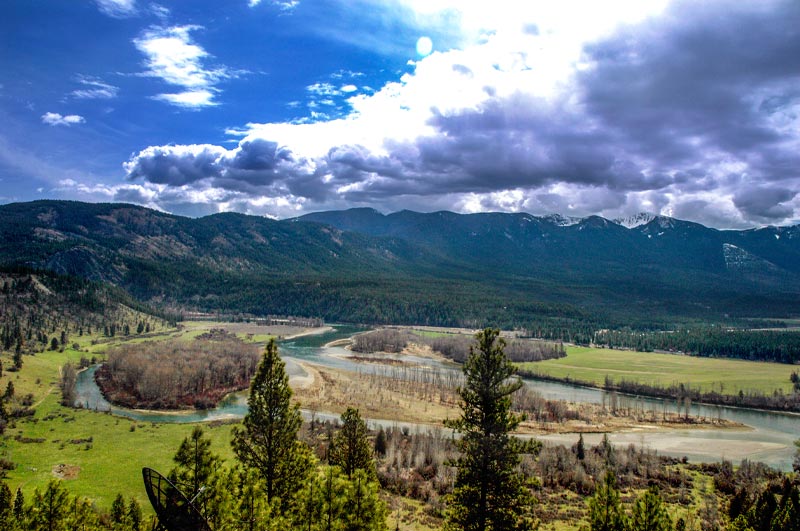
176,374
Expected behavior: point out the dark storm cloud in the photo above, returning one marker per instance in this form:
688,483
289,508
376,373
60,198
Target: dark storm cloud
766,204
709,76
175,165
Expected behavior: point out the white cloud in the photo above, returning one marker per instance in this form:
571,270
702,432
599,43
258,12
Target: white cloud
505,121
172,56
117,8
94,88
191,99
53,118
283,5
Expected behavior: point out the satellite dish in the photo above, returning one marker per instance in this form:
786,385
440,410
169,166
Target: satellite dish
174,510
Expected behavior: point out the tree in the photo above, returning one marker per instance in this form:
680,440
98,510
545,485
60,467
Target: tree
267,439
649,513
380,442
51,507
196,464
118,511
69,378
134,515
6,505
605,509
580,448
350,448
489,493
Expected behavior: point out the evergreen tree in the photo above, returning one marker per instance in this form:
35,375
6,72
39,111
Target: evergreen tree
267,439
580,448
118,511
50,508
17,359
489,493
605,509
6,506
19,507
380,442
196,464
649,513
134,515
350,448
363,509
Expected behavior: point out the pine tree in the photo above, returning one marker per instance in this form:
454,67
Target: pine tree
380,442
6,505
134,515
605,508
118,511
580,448
363,509
649,513
267,440
350,448
489,493
52,507
196,464
19,507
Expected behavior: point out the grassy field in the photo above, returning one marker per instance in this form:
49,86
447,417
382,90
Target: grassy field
98,455
722,375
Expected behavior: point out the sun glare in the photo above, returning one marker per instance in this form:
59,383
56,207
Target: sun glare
424,46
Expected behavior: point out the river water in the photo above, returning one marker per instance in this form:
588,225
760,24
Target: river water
768,437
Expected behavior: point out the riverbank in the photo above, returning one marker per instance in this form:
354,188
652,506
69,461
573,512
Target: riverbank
413,399
789,404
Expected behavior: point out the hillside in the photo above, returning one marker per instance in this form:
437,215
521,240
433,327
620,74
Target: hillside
438,268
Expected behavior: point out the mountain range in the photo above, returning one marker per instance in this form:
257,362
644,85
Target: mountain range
408,267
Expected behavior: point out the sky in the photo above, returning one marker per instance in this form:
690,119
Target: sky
689,109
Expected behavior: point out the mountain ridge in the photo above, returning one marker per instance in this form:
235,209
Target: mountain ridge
441,267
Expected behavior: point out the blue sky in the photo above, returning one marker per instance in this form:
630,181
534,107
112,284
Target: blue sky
689,109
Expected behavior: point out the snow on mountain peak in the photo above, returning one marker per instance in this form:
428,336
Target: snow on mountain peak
562,221
637,220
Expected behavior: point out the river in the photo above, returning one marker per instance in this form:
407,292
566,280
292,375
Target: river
768,438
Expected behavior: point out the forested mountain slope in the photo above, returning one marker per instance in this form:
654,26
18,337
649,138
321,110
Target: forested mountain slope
438,268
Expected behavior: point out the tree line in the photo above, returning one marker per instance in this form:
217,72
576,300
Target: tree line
454,346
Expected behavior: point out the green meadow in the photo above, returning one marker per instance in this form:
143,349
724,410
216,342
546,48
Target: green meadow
97,454
708,374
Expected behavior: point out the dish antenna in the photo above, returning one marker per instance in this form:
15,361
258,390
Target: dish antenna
174,510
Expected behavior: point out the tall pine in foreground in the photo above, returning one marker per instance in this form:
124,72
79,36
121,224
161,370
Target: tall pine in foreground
489,493
267,440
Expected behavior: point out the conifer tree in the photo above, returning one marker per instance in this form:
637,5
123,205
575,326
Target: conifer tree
380,442
350,448
134,515
489,493
649,513
51,507
605,508
6,506
196,464
118,511
19,507
267,440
